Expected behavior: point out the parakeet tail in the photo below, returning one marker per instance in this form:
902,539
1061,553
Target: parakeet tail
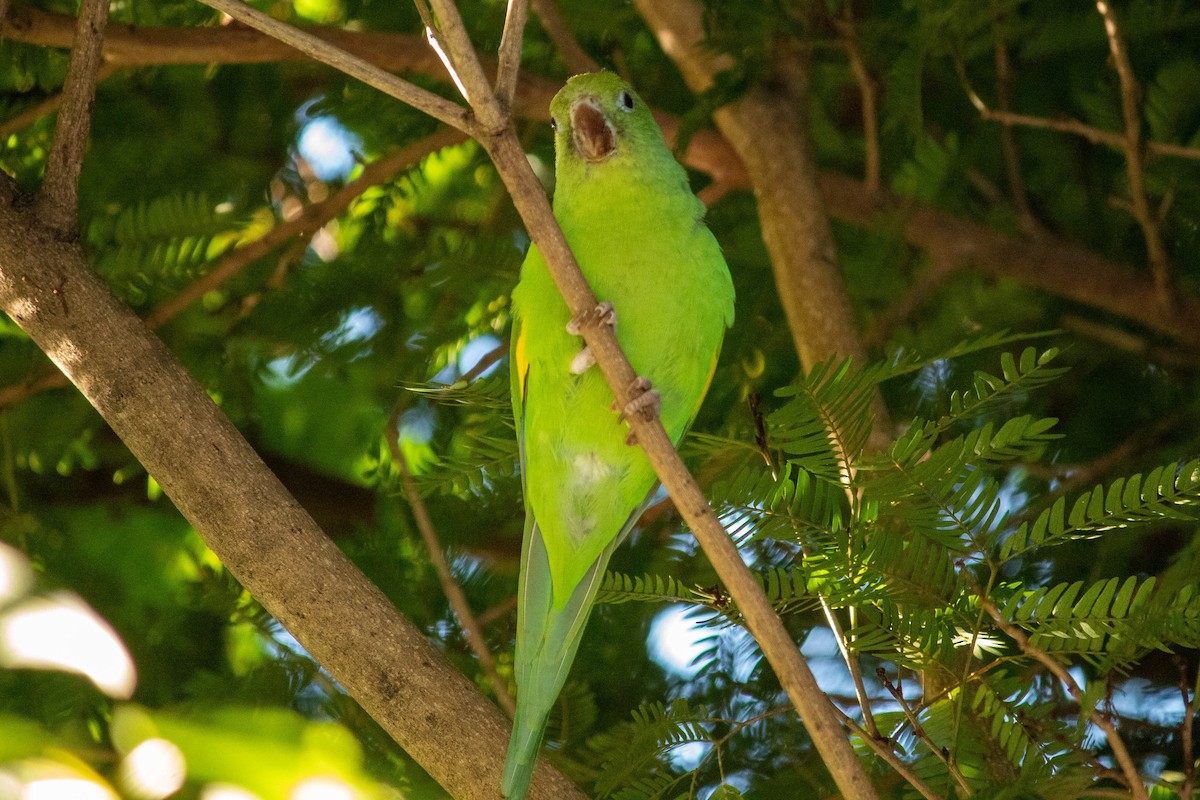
546,643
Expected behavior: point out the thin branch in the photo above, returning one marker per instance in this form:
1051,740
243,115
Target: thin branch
880,746
576,58
868,93
1186,732
46,106
510,52
497,611
1102,720
481,366
464,63
471,627
1159,262
58,199
310,219
1008,139
919,731
438,107
40,382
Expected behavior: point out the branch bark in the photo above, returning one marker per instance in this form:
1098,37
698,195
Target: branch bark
58,198
766,129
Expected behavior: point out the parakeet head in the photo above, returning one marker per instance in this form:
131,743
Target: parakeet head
599,119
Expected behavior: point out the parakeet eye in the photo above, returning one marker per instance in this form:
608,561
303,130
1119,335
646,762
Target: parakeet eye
553,124
625,100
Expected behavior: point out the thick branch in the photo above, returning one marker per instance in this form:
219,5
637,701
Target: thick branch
766,128
556,28
1053,265
58,199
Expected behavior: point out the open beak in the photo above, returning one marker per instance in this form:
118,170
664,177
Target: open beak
594,136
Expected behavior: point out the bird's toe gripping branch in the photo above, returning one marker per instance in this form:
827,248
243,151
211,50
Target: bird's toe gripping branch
646,402
605,314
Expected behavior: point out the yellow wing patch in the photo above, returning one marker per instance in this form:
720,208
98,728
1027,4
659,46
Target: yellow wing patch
520,360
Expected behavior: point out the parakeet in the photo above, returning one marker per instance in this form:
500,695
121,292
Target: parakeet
639,235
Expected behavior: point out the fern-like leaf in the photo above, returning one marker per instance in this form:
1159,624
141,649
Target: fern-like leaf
1167,492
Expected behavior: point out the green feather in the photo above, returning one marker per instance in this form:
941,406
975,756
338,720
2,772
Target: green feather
638,233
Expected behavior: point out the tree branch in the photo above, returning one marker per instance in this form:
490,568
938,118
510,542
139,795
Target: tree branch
1131,144
868,93
885,752
1008,139
510,53
556,28
434,105
471,626
501,143
1102,720
767,131
58,199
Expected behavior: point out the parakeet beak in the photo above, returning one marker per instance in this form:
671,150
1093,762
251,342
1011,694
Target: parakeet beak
594,136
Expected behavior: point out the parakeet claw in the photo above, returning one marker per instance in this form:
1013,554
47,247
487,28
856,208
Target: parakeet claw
603,312
606,315
646,402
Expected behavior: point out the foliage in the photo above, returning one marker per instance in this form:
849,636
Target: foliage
1041,455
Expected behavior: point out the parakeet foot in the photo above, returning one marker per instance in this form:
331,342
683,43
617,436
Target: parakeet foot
606,315
646,402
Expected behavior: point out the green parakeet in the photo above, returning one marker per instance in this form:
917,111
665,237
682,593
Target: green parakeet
638,233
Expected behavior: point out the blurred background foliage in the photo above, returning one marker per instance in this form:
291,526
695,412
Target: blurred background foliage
327,352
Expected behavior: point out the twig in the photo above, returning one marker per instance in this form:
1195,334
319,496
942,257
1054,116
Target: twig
1090,132
434,105
462,62
1102,720
1186,732
497,611
1008,139
919,731
556,28
1050,264
47,106
510,52
922,289
58,199
471,626
867,91
1159,262
490,357
40,382
310,219
883,751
